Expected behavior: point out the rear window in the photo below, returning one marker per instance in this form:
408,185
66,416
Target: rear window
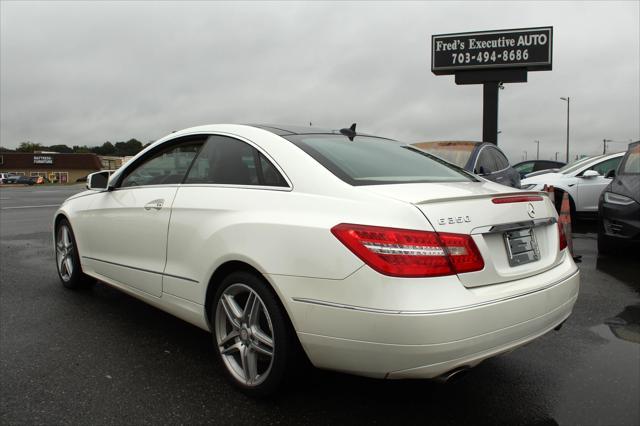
375,161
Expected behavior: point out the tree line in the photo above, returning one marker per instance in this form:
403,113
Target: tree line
118,149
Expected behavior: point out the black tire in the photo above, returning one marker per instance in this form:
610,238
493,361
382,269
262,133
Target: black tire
76,278
284,343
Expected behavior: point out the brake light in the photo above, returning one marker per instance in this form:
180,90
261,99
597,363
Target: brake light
516,199
563,237
410,253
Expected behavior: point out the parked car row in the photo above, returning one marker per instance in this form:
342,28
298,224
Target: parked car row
481,158
20,179
527,168
583,181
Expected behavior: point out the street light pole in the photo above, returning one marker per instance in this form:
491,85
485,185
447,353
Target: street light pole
568,100
537,149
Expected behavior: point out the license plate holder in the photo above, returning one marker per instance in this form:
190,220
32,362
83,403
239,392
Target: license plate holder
522,247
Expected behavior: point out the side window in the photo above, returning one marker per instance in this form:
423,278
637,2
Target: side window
225,160
270,174
486,162
632,163
604,167
544,165
525,168
166,167
501,160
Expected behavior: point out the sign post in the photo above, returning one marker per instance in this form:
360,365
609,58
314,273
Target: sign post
492,58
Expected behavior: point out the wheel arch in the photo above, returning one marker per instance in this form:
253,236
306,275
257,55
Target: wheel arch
235,266
58,217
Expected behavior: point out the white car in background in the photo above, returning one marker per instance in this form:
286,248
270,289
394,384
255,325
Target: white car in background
583,180
375,258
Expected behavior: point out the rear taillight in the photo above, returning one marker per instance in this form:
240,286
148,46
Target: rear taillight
563,237
409,253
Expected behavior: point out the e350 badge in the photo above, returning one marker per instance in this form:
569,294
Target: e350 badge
453,220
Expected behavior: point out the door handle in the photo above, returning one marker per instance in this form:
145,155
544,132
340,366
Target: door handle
155,204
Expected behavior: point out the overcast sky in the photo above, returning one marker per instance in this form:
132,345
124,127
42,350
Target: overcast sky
86,72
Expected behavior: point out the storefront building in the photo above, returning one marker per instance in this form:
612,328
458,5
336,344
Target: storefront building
110,162
60,168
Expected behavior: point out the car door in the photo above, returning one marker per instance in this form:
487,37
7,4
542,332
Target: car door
127,230
229,179
590,188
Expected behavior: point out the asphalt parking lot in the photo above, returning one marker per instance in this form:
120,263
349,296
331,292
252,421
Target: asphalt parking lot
98,356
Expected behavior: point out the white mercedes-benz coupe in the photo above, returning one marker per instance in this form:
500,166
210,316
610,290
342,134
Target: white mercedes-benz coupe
375,258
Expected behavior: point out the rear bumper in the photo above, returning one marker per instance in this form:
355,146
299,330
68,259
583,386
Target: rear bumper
387,344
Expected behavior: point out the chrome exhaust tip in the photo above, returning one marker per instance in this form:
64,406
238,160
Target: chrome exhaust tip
453,375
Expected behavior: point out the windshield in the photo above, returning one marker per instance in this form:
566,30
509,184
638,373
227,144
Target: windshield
374,161
571,167
457,153
631,165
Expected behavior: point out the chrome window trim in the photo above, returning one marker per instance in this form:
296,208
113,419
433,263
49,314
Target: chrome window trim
433,311
205,185
123,169
222,185
497,171
171,185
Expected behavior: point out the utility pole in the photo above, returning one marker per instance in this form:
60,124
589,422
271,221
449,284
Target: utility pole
568,100
537,149
525,155
556,155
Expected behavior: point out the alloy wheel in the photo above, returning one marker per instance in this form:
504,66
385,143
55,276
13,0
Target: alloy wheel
64,253
244,334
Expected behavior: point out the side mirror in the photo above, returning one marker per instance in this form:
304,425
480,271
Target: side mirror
590,174
611,174
98,181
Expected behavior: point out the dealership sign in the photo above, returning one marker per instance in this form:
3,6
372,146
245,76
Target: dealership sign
42,159
529,48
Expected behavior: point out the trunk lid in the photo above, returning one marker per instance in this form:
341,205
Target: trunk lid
501,231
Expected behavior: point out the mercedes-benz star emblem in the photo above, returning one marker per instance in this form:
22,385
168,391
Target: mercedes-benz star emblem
531,210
